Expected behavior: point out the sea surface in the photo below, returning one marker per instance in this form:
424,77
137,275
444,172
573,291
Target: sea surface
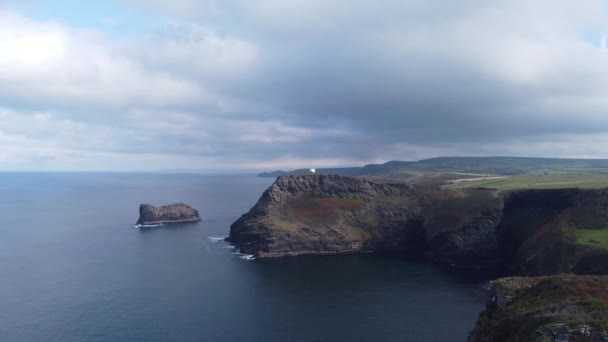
73,268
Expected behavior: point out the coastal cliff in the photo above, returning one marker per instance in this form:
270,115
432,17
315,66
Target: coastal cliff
325,214
526,232
167,214
328,214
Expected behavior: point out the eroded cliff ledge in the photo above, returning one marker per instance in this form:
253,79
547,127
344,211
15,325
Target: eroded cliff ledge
526,232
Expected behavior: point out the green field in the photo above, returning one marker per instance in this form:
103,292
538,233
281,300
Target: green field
538,182
592,237
504,166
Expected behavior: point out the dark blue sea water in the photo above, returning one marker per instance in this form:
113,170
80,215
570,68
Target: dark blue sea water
72,268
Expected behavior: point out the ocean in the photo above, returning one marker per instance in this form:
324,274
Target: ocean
73,268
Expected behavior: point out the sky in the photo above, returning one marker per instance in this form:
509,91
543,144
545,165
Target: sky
240,85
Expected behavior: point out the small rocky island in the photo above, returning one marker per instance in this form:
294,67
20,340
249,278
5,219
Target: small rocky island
167,214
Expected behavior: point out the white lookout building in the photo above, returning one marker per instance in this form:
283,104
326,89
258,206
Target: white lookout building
313,170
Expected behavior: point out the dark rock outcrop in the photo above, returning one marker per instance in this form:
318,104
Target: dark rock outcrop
553,308
526,232
167,214
462,227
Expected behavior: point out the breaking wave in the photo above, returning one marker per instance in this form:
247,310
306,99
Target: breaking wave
216,239
243,255
148,225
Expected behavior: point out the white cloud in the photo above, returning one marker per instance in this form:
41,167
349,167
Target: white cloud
68,68
241,84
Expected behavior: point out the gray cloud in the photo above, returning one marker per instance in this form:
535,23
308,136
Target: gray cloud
265,84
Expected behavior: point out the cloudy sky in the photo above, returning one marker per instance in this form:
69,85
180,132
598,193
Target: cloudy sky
266,84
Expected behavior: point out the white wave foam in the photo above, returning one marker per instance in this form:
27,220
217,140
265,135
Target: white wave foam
216,239
243,256
147,225
246,256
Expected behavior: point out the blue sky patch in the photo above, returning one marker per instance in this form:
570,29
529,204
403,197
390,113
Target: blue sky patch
109,16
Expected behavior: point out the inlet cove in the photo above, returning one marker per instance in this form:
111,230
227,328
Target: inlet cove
534,234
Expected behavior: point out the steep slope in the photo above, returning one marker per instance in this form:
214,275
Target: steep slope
538,232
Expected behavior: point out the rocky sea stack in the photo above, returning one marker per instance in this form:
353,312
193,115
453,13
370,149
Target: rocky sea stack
167,214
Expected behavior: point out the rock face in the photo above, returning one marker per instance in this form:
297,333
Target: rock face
167,214
555,308
527,232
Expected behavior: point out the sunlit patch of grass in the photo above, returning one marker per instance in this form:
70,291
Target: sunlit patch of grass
592,237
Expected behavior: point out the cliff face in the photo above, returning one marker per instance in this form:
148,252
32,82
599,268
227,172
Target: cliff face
174,213
527,232
556,308
461,227
539,228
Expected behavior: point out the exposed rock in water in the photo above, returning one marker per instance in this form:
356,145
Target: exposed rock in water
554,308
167,214
527,232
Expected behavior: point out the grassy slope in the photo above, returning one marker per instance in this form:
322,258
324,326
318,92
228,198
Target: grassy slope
592,237
587,219
319,217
